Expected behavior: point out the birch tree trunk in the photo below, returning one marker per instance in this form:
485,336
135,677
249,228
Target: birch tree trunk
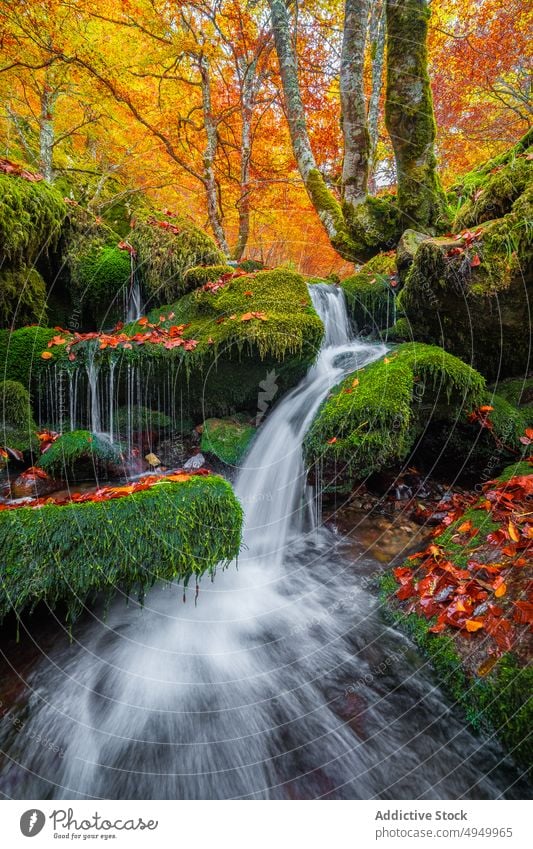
353,103
326,205
249,92
409,114
210,151
46,133
377,48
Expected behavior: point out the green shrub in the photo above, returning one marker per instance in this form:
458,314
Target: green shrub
375,415
79,455
227,439
17,428
31,215
67,554
22,297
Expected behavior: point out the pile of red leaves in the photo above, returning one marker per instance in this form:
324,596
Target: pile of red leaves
106,493
493,595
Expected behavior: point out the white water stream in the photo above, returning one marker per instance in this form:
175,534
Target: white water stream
283,681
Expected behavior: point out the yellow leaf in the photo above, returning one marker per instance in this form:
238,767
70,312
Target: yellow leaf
473,625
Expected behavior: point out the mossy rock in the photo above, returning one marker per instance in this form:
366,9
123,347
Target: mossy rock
31,216
20,354
80,456
168,247
369,295
474,299
17,427
100,276
64,555
490,190
519,392
227,439
22,297
202,274
373,419
140,419
400,331
459,450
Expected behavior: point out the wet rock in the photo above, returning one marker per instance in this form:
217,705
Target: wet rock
34,483
194,462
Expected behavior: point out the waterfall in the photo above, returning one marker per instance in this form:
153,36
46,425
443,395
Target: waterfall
133,301
94,399
267,687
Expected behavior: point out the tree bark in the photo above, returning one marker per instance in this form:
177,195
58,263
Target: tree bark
210,151
377,47
46,134
326,205
409,114
353,103
248,95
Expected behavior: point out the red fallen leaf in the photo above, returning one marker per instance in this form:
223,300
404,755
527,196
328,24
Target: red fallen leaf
499,586
143,321
485,408
403,574
180,477
332,441
475,261
473,625
466,526
220,320
455,251
248,294
46,355
523,612
509,550
405,591
125,246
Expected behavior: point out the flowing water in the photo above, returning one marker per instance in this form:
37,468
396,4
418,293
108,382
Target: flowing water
282,680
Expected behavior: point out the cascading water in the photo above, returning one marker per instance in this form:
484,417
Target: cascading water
133,298
281,682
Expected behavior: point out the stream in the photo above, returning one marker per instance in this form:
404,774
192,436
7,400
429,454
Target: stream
282,680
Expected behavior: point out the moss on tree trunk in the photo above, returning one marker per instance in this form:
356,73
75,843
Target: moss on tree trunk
409,114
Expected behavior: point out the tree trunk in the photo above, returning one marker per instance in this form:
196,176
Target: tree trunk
46,134
377,47
326,205
353,103
409,114
210,151
248,94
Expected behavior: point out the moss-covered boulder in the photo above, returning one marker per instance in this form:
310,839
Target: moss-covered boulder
141,419
22,297
100,274
64,555
518,392
471,293
167,246
17,427
31,215
490,190
21,354
370,295
79,456
228,439
202,274
373,419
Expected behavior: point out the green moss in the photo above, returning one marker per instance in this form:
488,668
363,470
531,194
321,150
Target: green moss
80,455
17,428
251,265
202,274
376,421
141,419
164,256
477,311
400,331
31,215
20,353
100,275
65,555
227,439
490,190
517,391
369,295
22,297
